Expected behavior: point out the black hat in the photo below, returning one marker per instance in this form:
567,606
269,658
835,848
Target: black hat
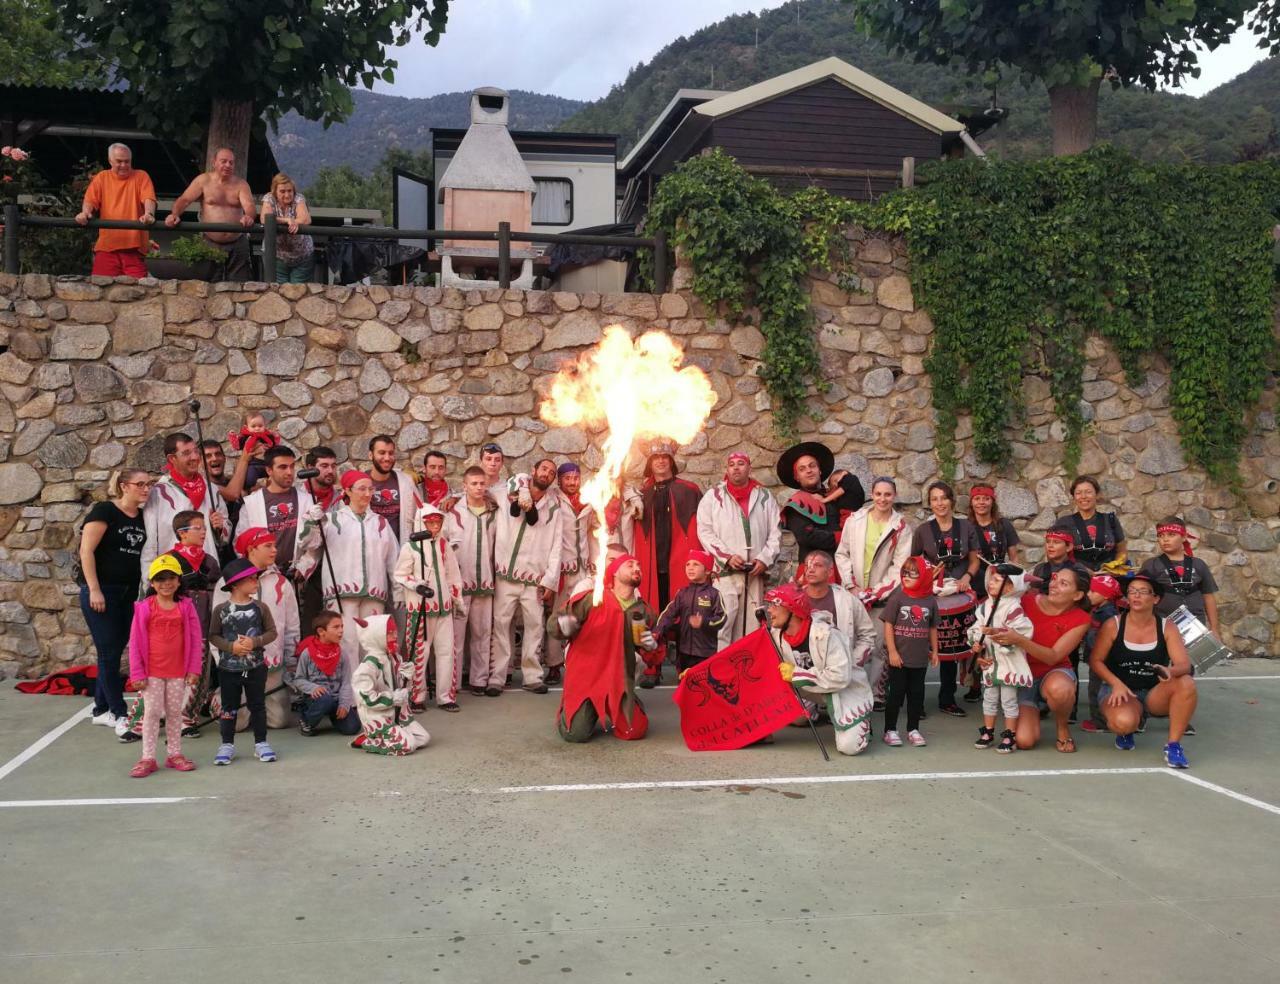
1156,586
238,570
814,449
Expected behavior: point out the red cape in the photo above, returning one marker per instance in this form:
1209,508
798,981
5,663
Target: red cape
684,537
595,665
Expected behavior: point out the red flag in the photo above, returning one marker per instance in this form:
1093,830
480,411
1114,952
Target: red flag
735,697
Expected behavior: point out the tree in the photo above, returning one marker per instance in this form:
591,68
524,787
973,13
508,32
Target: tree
212,68
37,50
1070,45
344,187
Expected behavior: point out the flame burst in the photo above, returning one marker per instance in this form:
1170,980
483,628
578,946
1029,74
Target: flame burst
638,391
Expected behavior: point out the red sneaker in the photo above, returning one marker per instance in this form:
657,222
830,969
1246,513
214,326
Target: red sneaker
143,769
179,762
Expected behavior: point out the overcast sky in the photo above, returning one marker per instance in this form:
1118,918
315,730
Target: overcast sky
579,48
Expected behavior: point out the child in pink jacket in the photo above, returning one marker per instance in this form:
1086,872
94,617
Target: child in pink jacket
166,650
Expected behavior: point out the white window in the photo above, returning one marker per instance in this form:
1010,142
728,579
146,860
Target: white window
552,201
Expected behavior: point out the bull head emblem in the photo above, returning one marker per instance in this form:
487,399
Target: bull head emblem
728,687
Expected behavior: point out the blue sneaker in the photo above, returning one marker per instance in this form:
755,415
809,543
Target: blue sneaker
1125,743
264,752
1175,757
225,754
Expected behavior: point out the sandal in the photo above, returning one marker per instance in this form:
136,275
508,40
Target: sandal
1067,744
1008,743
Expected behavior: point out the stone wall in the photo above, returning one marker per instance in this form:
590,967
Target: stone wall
93,373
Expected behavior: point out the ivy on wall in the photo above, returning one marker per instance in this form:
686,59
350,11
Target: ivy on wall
1017,262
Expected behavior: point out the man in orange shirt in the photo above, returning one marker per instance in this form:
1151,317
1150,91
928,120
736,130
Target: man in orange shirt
123,194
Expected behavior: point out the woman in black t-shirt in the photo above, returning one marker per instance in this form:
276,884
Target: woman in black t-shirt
1099,538
111,540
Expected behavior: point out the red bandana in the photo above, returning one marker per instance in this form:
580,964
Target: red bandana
193,487
436,490
323,494
924,581
575,502
192,555
742,494
324,654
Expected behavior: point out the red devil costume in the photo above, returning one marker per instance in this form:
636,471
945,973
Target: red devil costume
600,662
666,530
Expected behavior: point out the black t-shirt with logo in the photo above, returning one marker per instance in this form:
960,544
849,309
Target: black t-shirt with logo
386,501
118,557
282,521
911,618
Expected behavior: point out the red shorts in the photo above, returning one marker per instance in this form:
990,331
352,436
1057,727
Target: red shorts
119,263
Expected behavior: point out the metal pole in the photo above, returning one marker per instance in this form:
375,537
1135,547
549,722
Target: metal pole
269,232
660,262
12,215
504,255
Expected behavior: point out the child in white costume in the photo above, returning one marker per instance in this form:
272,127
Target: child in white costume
430,585
382,700
1004,668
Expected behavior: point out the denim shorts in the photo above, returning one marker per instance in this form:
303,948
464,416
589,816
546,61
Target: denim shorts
1031,695
1105,691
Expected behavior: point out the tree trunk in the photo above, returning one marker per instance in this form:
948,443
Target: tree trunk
229,126
1073,114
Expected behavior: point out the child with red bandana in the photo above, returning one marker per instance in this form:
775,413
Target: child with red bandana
322,679
1104,594
910,618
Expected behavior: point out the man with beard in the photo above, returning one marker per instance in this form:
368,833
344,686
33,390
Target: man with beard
667,529
181,487
277,507
577,543
738,524
215,460
435,486
823,500
528,544
324,487
818,664
604,641
395,498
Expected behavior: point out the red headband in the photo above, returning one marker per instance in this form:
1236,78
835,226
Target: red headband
982,490
253,537
1178,530
614,566
350,477
739,456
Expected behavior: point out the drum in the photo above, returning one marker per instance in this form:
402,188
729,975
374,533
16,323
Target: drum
1204,648
955,615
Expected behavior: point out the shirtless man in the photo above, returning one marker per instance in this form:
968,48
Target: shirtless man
223,197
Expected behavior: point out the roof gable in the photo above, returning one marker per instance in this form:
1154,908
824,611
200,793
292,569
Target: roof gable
840,71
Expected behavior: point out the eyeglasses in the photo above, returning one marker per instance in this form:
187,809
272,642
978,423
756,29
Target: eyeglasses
142,485
1141,593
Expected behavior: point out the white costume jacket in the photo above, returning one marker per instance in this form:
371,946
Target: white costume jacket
724,531
529,553
382,699
1010,667
826,674
472,538
164,502
892,550
429,562
363,550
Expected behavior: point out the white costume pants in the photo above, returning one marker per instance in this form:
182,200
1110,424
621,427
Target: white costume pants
733,589
433,639
473,638
352,609
508,598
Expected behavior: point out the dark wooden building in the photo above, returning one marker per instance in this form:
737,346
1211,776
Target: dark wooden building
828,124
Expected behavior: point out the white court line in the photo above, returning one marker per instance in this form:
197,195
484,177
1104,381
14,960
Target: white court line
120,801
1214,787
821,780
38,746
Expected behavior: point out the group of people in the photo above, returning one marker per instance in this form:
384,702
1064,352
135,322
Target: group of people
273,595
123,193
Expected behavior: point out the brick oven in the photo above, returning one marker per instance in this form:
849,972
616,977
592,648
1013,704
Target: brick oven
486,183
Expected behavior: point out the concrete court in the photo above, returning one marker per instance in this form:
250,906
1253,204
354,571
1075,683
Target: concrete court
335,865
